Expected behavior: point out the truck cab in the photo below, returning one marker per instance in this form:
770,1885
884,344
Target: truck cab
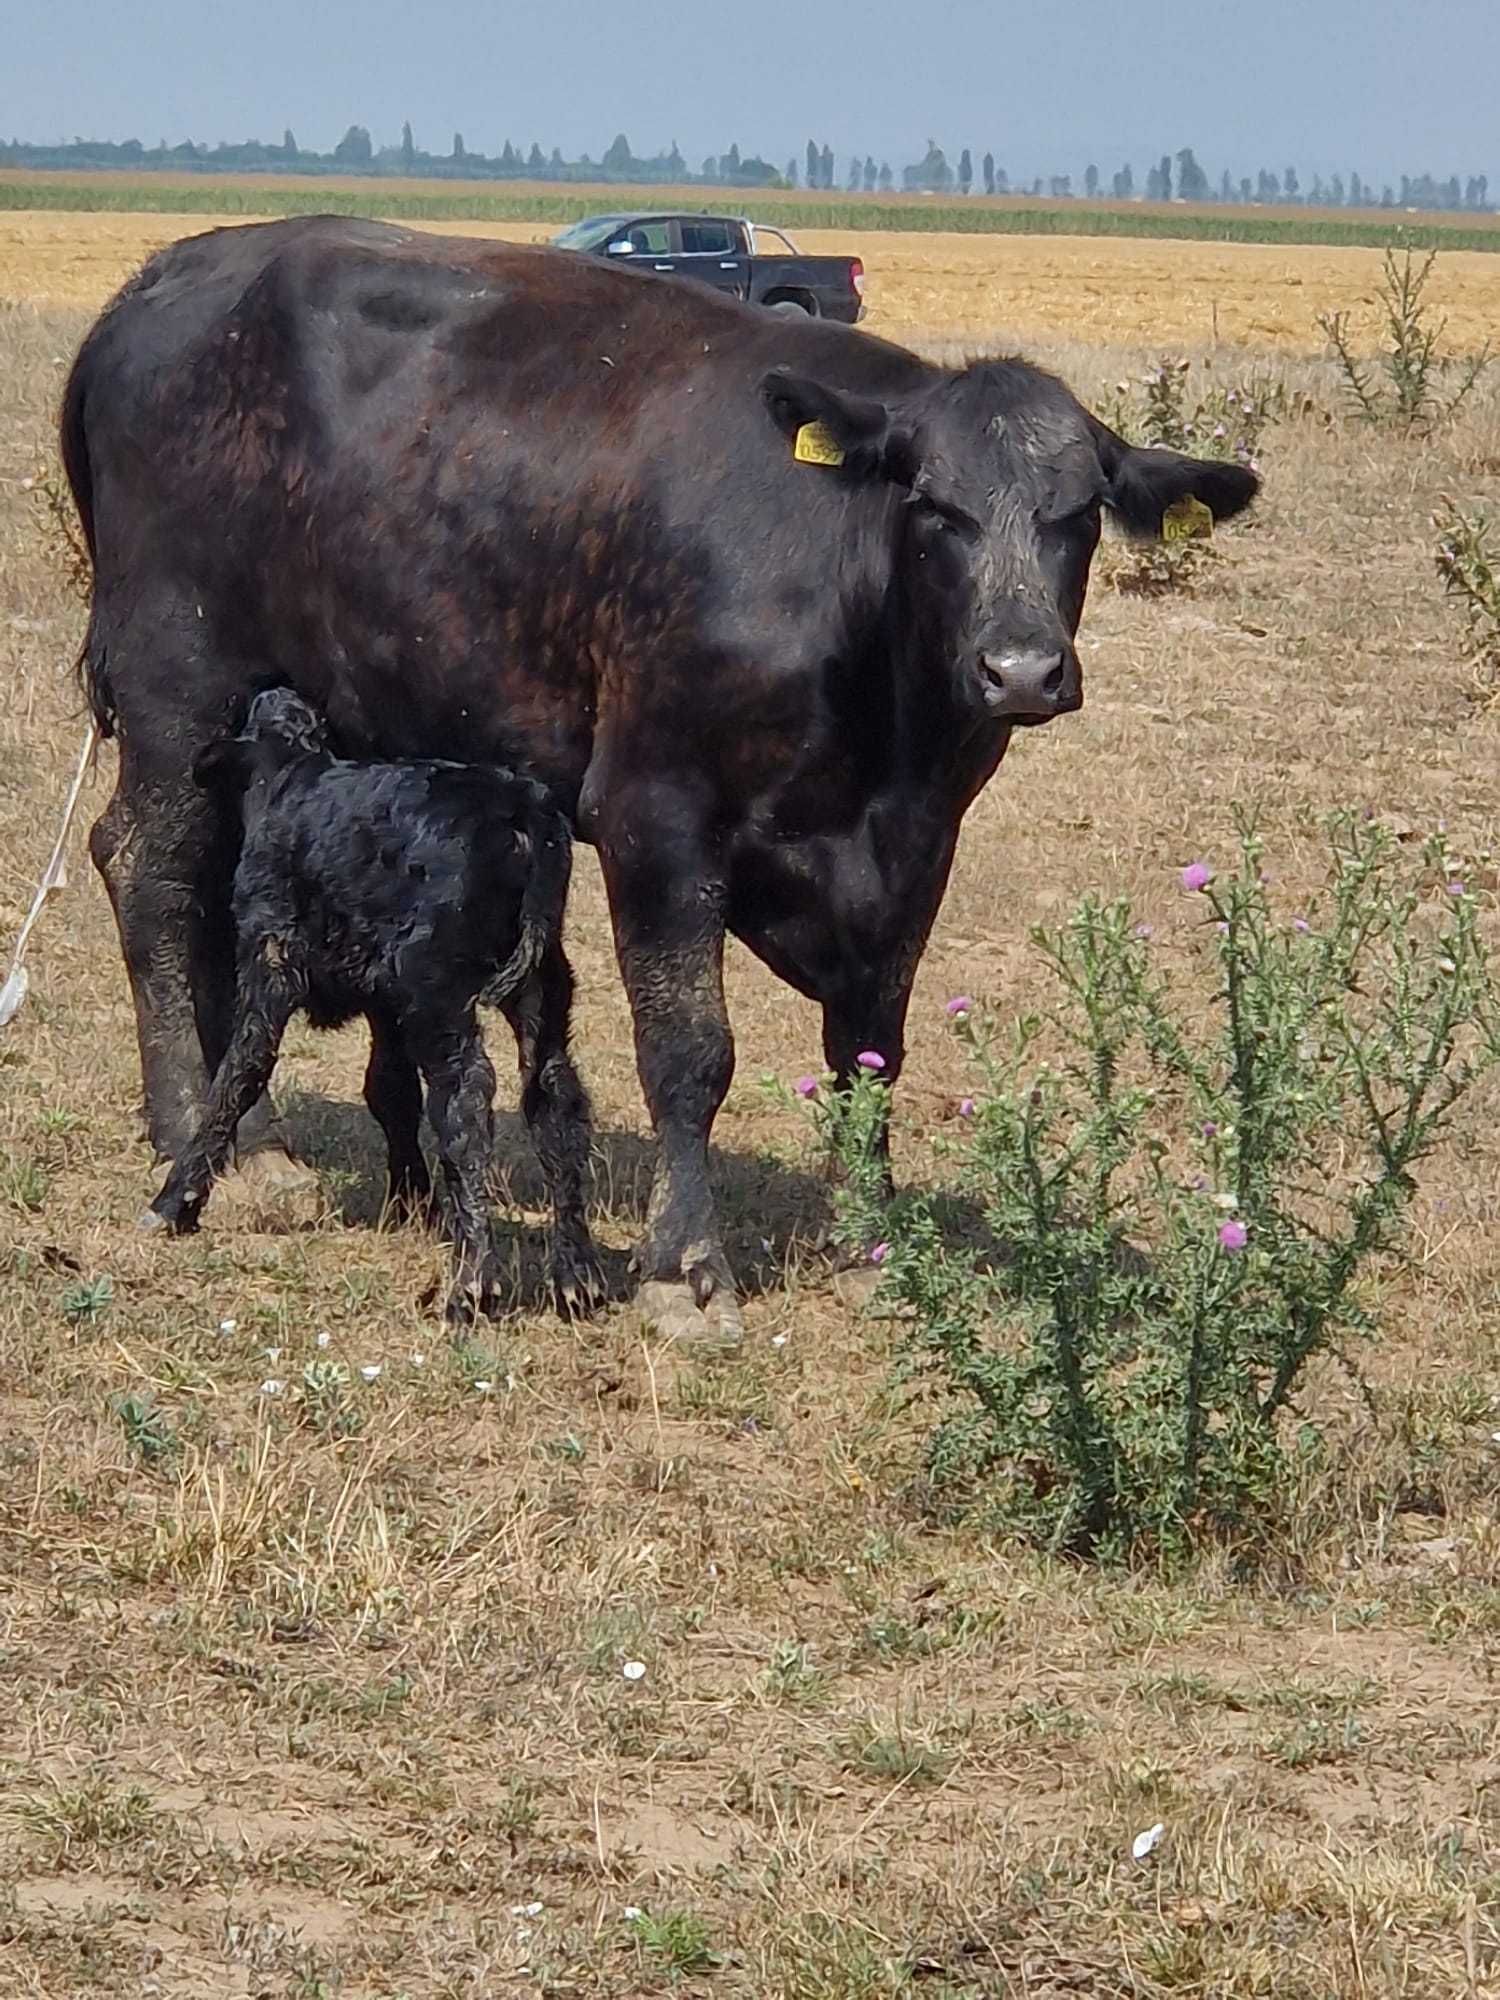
746,260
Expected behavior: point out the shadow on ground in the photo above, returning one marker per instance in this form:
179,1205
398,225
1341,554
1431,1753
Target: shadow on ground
769,1210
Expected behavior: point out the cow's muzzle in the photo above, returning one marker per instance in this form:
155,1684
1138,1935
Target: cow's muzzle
1031,687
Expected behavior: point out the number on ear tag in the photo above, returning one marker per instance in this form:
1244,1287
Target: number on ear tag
1187,520
817,445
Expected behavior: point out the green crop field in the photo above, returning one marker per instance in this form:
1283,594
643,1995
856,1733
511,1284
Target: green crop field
427,201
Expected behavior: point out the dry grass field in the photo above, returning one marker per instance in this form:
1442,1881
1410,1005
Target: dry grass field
965,289
318,1694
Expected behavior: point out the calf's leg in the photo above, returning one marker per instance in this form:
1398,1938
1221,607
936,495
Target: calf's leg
268,999
556,1108
460,1104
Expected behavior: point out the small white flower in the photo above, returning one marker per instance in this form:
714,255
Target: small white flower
228,1325
324,1339
272,1354
1226,1201
483,1388
419,1361
1446,965
1495,1437
510,1381
273,1386
526,1909
371,1371
634,1670
778,1340
767,1245
633,1913
1147,1842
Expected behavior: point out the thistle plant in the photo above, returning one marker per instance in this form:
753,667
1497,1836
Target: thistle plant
1182,1203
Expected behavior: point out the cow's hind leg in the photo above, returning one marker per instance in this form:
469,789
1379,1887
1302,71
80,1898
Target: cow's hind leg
667,903
165,850
556,1108
152,845
393,1092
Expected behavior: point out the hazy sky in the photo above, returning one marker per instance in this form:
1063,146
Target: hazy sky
1379,86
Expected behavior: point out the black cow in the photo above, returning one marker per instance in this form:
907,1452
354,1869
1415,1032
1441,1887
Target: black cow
760,600
406,892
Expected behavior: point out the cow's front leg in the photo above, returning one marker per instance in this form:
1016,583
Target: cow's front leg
865,1016
666,899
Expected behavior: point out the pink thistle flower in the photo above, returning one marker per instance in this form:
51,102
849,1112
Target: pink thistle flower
966,1107
870,1059
1300,924
1197,875
806,1086
959,1006
879,1253
1455,888
1233,1236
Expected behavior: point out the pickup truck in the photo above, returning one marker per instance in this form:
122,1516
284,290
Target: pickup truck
726,252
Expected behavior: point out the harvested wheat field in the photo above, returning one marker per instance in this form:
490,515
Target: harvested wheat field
341,1661
975,290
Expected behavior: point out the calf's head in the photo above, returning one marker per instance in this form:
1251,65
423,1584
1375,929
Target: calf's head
280,729
1000,478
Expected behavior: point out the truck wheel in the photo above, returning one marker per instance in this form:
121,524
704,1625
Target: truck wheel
789,306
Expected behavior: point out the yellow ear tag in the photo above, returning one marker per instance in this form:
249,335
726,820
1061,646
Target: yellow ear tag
817,445
1187,520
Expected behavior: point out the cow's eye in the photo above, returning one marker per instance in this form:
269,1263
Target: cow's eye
944,516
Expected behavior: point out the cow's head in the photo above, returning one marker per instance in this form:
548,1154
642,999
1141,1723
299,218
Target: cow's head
1002,476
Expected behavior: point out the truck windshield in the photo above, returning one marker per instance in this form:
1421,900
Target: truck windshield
590,232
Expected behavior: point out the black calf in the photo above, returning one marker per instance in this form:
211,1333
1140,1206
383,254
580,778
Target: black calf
407,892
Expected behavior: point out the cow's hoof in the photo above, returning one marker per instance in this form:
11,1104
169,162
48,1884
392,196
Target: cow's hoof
170,1215
671,1311
272,1191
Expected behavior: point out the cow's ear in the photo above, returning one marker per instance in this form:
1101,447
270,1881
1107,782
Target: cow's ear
1142,483
825,426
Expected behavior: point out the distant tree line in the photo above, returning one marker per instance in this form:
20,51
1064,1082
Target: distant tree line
1179,177
1174,177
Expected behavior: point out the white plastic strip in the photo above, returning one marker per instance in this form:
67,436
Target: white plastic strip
54,877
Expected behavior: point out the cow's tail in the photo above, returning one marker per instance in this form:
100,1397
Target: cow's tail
93,675
542,903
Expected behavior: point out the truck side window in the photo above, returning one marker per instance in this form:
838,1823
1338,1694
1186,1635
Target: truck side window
708,239
651,239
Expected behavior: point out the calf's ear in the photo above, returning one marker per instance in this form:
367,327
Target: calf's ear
826,426
1142,483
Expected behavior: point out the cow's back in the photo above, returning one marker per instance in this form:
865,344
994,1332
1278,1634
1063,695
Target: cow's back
470,498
